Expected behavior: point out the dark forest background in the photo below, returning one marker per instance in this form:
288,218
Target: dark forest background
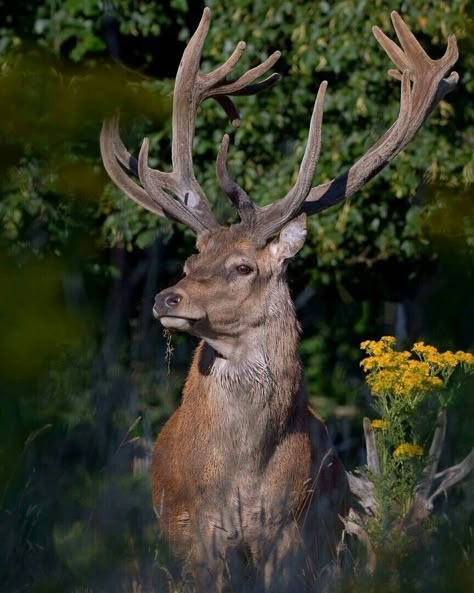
87,378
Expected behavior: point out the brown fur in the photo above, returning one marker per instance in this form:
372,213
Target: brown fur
243,473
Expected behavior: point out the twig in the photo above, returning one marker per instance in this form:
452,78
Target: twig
373,462
169,348
129,430
424,486
35,434
454,474
360,533
362,491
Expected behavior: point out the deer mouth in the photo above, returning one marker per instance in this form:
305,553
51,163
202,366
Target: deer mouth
181,323
175,321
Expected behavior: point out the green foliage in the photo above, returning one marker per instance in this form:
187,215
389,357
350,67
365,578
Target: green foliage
79,23
52,182
319,41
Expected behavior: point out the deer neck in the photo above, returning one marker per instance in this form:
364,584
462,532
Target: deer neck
261,386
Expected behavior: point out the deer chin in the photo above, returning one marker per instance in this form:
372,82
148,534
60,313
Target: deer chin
178,323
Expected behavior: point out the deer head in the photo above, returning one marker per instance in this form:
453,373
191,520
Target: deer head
231,288
236,282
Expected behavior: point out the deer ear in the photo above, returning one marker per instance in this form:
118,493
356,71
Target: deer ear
291,239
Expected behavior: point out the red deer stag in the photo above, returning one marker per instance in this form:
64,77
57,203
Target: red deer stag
243,473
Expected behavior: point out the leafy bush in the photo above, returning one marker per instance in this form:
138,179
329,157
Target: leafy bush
412,391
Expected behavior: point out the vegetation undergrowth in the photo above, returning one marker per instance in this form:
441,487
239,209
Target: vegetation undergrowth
412,392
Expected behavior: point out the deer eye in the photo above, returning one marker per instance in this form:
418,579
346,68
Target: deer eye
244,270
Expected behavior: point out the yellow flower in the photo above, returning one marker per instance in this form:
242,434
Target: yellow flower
442,361
450,359
428,353
465,358
369,363
383,381
389,340
390,372
408,379
416,378
393,359
380,424
382,356
408,450
385,344
421,347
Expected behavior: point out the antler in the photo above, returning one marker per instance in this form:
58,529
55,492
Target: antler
192,87
422,87
429,87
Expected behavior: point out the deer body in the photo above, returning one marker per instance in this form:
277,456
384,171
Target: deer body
243,463
243,473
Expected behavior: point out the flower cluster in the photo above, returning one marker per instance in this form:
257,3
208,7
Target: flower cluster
385,344
408,450
411,388
465,358
409,373
442,361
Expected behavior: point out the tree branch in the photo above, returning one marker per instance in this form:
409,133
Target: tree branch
424,486
362,494
360,533
454,475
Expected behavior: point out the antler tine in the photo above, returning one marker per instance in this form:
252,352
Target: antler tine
250,89
186,99
118,175
217,88
429,87
244,205
408,41
221,72
391,49
272,218
230,109
130,163
242,83
127,160
258,87
313,148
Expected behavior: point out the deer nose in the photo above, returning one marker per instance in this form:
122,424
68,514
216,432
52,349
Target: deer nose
168,300
173,300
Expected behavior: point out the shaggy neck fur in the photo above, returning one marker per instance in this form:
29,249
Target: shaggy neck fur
253,402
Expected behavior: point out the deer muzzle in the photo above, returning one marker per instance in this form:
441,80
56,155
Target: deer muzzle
175,311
